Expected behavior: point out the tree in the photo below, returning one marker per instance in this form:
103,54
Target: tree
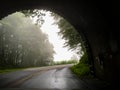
67,32
37,14
22,43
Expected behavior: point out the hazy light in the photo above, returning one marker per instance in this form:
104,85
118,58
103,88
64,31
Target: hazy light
58,43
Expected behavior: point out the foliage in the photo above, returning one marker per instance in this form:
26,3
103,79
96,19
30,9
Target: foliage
81,70
65,62
72,38
84,59
23,44
35,13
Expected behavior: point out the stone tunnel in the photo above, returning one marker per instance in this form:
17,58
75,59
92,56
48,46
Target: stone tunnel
93,20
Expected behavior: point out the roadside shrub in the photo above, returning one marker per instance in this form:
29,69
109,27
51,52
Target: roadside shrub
84,59
81,70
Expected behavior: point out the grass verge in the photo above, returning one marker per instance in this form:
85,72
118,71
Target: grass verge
10,70
81,70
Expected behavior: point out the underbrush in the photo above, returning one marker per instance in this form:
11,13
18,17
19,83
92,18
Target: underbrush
82,69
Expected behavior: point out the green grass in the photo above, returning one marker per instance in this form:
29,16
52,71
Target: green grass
81,70
10,70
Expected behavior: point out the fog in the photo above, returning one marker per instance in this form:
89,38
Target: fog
23,43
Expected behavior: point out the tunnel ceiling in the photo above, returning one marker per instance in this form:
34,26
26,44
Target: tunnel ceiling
89,17
78,13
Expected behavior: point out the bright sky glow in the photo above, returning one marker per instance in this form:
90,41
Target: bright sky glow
58,43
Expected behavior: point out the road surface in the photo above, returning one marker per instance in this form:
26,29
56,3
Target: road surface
52,78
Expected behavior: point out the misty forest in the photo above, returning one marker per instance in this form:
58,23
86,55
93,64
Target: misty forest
23,44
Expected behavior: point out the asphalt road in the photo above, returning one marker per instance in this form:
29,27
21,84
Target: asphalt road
60,78
52,78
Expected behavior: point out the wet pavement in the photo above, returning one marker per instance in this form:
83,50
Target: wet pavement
57,78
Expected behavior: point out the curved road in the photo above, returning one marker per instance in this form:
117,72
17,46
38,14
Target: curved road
52,78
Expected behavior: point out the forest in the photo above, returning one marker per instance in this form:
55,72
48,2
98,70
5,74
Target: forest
22,43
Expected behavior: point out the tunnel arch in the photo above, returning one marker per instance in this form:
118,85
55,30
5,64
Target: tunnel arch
83,38
89,18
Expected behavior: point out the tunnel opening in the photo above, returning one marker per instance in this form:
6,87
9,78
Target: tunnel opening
36,17
25,38
28,45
